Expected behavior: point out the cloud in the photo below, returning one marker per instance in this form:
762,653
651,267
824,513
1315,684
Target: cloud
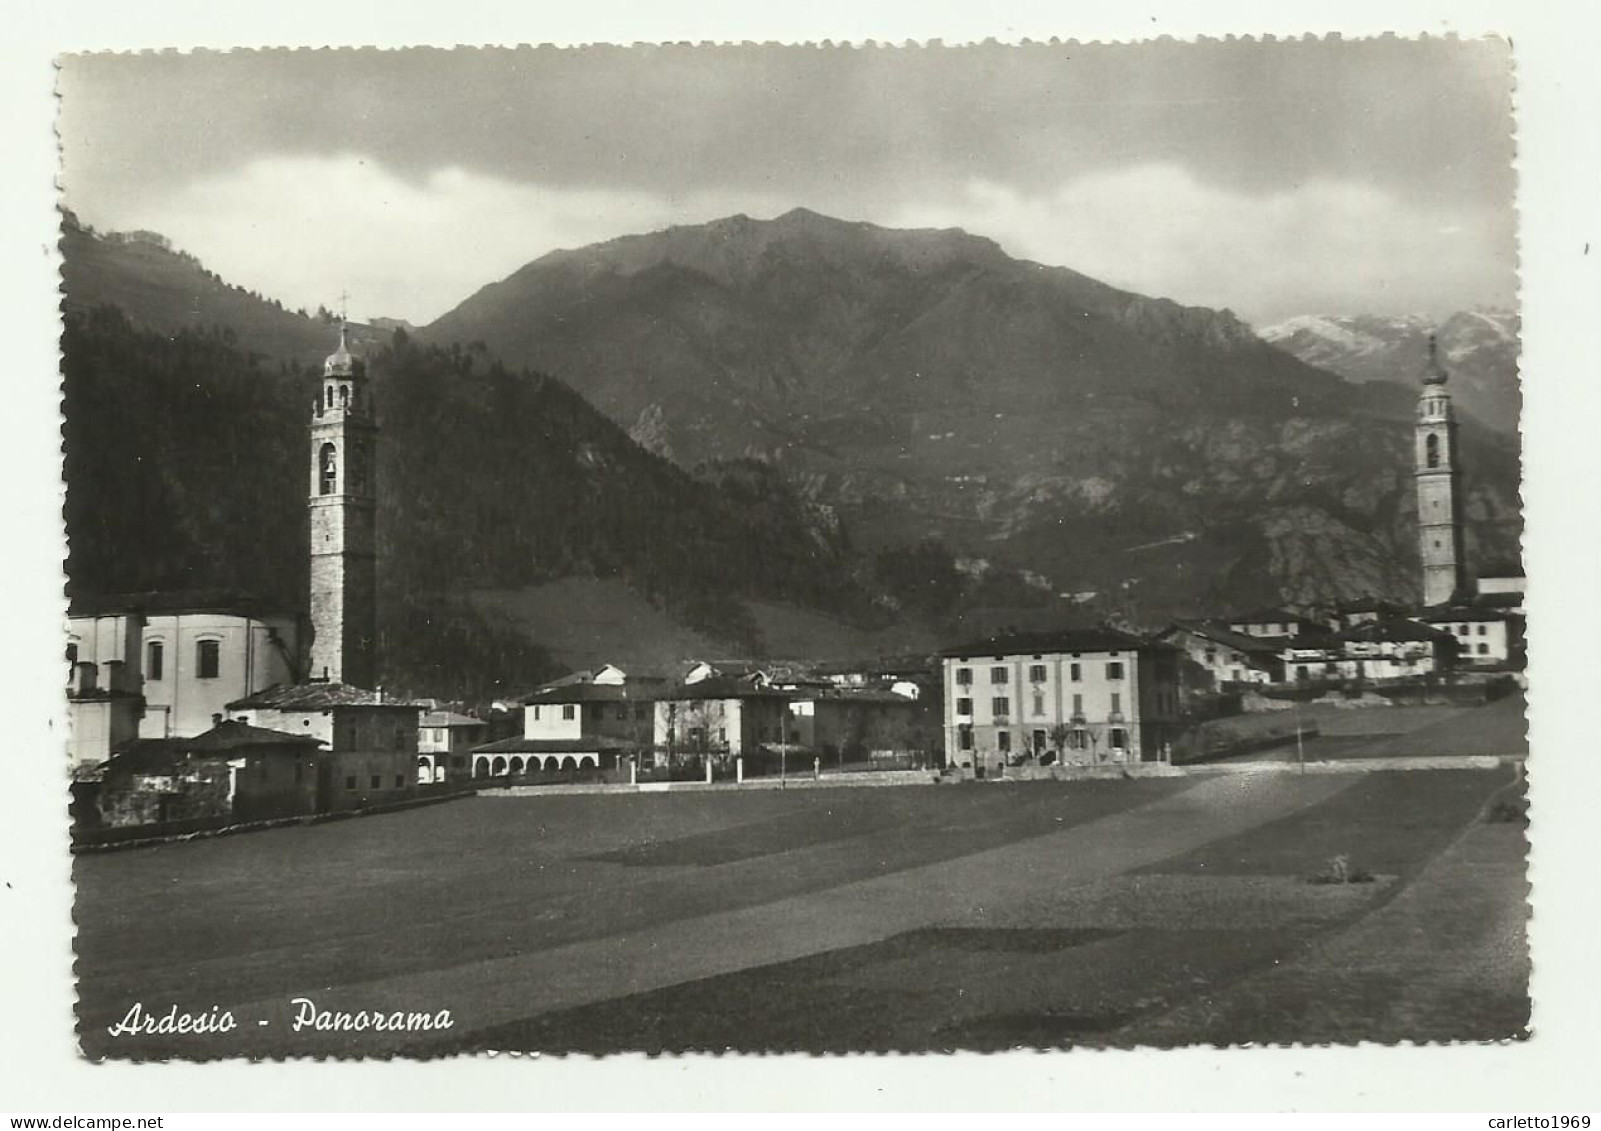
1325,246
305,228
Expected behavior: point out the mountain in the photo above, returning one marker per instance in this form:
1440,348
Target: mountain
1110,450
185,469
1478,348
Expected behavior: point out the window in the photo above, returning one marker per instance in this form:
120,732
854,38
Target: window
156,654
998,675
568,711
1039,742
72,655
536,714
1461,630
1117,703
1039,703
327,470
964,737
722,735
964,707
350,782
1078,704
207,659
964,676
1073,672
1118,739
1000,707
377,781
1484,649
1003,741
1482,630
1431,448
1114,670
1036,673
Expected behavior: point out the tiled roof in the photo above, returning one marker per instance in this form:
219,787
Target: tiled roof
316,697
1068,640
594,744
221,741
642,690
1463,613
236,735
450,719
720,687
1222,634
1399,629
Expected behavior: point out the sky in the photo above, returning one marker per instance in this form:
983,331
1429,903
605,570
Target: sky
1273,178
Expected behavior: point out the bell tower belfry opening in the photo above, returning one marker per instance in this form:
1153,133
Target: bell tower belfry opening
1439,487
344,547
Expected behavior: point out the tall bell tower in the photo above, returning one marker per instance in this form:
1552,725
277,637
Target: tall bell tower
344,548
1439,496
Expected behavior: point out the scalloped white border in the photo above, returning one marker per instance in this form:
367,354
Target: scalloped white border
1559,92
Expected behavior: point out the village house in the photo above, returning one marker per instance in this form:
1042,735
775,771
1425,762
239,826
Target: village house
1218,656
589,719
1485,637
445,741
231,773
1274,623
723,715
371,739
1395,648
1084,696
852,724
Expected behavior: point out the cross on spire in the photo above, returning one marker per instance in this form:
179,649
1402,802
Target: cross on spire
344,308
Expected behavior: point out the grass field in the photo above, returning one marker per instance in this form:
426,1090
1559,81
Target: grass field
1162,911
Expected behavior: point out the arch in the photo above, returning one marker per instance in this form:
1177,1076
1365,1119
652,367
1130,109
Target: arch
1431,450
569,763
344,396
480,767
327,469
589,760
497,767
516,764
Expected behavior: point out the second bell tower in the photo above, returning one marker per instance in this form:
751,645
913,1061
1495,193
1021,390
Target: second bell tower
1439,488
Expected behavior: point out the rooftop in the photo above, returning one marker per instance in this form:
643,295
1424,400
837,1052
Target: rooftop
221,741
450,719
317,697
592,744
1222,634
1065,640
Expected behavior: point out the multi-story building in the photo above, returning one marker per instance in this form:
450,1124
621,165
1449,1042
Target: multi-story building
725,716
1485,637
166,665
586,719
1086,696
445,741
1396,648
1219,656
372,739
